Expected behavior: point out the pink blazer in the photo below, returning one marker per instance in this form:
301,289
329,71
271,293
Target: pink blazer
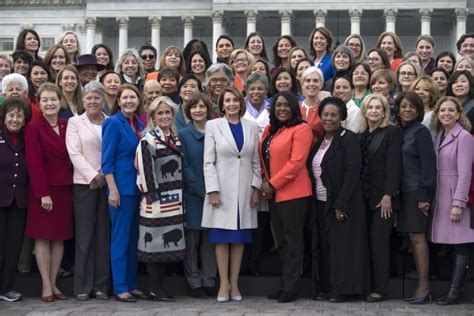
84,146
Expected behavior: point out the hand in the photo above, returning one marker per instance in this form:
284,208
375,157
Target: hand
266,188
385,205
114,198
47,203
100,180
215,199
93,185
456,213
255,198
424,207
341,216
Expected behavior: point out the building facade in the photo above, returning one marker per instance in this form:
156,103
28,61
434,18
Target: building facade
126,23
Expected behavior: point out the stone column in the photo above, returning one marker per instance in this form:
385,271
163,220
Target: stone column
355,20
90,23
123,34
251,16
426,21
390,20
188,28
68,27
155,22
285,21
217,17
461,17
320,17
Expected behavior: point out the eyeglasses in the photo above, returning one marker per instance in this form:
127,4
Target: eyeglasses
218,80
406,73
373,59
150,56
240,60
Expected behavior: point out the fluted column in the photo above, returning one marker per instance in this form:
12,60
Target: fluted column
217,17
68,27
90,23
123,33
390,20
320,17
251,16
285,21
425,15
461,17
155,22
355,20
188,28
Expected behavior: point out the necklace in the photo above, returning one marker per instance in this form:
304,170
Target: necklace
54,126
326,142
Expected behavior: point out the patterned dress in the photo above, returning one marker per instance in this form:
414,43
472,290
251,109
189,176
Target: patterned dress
161,229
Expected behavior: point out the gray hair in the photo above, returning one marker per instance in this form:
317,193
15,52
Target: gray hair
133,52
14,78
94,86
310,70
346,51
219,67
257,77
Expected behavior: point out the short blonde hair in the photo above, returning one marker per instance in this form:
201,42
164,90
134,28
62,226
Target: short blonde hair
432,86
363,111
153,107
463,120
250,58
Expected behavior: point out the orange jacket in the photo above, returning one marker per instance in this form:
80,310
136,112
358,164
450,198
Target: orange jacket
289,151
313,120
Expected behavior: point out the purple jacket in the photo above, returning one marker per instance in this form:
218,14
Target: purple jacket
454,161
13,171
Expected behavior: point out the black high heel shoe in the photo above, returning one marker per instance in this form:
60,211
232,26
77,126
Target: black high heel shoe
422,300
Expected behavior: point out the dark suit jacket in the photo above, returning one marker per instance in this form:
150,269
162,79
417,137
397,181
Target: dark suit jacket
384,155
47,156
119,143
14,173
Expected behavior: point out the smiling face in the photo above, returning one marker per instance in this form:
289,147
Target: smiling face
283,48
70,42
448,114
14,89
5,68
375,112
198,66
168,84
423,91
14,120
148,59
461,87
341,61
295,57
111,84
128,102
425,50
441,80
240,64
408,112
356,47
68,82
217,82
130,66
58,61
255,45
31,42
256,94
388,45
406,75
360,77
198,112
375,61
93,103
312,84
172,59
342,89
231,105
224,48
301,68
259,67
381,87
331,118
188,90
164,117
465,65
467,47
320,42
38,76
283,82
151,91
283,111
102,56
447,63
49,103
87,73
21,66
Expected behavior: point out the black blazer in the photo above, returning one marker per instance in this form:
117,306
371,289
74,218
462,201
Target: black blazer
384,155
14,173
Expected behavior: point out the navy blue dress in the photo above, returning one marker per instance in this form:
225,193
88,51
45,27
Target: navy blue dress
227,236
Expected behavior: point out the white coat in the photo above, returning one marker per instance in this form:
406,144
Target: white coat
231,173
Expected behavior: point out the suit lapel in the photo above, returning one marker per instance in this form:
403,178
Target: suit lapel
449,138
126,126
88,124
224,128
376,142
334,146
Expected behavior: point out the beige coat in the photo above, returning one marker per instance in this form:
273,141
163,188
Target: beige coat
231,173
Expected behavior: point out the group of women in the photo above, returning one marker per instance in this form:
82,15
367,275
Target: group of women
180,163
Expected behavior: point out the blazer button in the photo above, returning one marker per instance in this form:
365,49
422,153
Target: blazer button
238,156
14,185
15,175
16,154
16,165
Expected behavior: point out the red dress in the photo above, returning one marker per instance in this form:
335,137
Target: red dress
50,172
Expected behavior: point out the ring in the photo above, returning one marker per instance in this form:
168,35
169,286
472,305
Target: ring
263,194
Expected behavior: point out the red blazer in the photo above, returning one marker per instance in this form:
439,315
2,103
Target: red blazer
46,156
313,120
289,151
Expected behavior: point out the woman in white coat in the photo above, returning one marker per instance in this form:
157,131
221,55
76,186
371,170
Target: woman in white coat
232,178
